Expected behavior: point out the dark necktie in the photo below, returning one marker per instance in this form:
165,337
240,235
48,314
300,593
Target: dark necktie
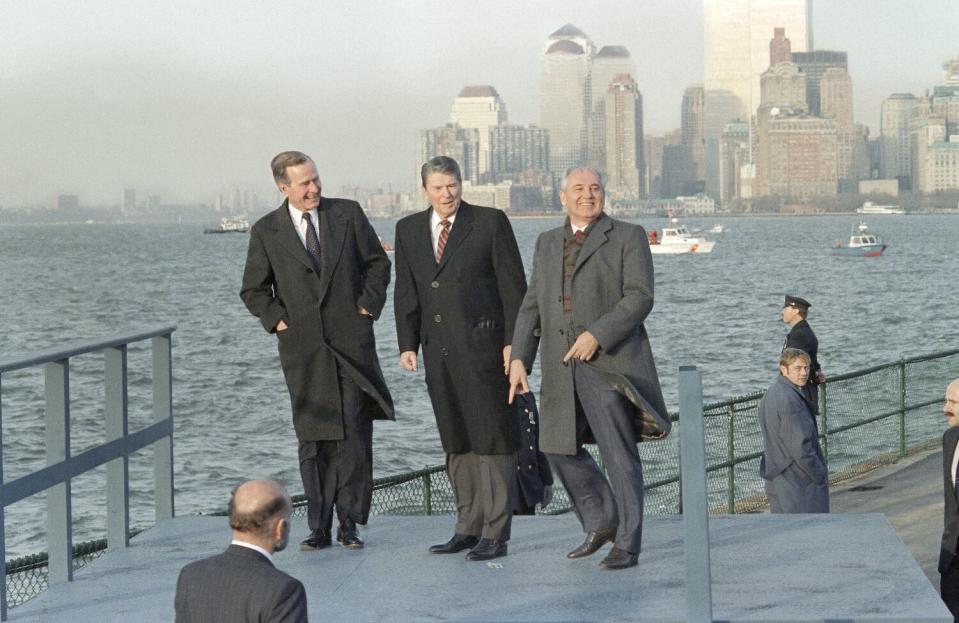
312,242
443,239
955,481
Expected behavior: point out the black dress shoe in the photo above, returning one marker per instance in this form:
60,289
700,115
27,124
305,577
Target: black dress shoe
348,536
619,559
487,549
594,540
458,543
318,539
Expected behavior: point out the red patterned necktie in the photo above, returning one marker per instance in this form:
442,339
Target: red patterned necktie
444,237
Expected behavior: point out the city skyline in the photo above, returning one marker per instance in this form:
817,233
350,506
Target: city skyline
191,103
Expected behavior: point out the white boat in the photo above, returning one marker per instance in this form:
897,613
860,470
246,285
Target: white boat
677,239
870,208
863,243
232,225
718,228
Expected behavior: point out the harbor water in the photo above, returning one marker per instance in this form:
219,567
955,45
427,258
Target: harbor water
65,283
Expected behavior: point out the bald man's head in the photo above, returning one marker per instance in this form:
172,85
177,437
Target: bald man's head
255,504
951,408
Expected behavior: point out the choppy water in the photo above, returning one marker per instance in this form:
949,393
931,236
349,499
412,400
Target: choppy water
63,283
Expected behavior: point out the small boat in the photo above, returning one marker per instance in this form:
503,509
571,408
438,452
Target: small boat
230,225
718,228
870,208
677,239
862,243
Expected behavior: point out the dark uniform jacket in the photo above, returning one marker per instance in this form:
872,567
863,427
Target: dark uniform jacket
950,530
325,328
802,337
461,313
238,586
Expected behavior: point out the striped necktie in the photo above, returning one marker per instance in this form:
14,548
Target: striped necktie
443,239
312,242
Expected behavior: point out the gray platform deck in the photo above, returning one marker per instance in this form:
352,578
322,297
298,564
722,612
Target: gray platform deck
765,568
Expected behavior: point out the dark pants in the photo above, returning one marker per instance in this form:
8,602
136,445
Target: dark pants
949,588
600,503
340,472
484,486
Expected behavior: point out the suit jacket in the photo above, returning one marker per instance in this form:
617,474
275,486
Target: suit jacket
950,530
461,313
801,336
240,585
612,293
532,467
325,330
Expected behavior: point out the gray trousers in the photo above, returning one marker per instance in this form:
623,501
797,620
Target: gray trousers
340,472
600,503
484,486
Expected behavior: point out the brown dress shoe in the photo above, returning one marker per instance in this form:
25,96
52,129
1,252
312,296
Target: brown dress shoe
348,536
318,539
619,559
458,543
594,540
487,549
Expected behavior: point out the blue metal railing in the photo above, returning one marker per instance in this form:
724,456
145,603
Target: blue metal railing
62,466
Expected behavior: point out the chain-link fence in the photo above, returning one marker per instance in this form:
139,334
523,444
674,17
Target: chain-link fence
868,418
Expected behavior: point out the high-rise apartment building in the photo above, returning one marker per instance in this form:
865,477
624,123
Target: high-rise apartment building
517,149
624,139
461,144
479,108
693,130
565,101
736,53
797,156
813,65
611,61
835,102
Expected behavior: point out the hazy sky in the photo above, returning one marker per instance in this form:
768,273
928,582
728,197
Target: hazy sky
188,99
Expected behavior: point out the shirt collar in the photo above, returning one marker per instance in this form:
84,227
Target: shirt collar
297,215
435,218
256,548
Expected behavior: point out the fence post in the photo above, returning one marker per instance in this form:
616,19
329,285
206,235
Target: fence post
162,410
699,606
427,491
902,407
117,427
825,423
59,512
731,458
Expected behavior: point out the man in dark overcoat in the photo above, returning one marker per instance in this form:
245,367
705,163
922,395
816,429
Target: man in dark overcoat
459,282
949,548
316,276
589,294
241,585
801,336
792,466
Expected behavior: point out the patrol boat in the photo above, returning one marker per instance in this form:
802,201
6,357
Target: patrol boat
677,239
862,243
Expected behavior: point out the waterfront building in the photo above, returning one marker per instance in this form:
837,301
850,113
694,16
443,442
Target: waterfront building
784,86
565,96
515,149
796,155
461,144
653,149
736,172
68,203
129,205
935,156
479,108
611,61
813,65
624,144
835,102
736,51
700,204
693,136
895,151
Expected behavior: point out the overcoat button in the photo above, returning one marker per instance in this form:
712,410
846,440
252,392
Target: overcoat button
437,318
435,284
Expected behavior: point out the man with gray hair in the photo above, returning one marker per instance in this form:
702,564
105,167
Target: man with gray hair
242,584
792,466
949,548
459,283
589,295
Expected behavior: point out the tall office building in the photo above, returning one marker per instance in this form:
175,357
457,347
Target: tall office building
814,64
515,150
796,156
780,47
736,52
693,131
624,139
565,101
835,102
611,61
783,86
479,108
461,144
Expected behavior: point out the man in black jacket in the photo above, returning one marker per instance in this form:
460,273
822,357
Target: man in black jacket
801,336
948,560
241,585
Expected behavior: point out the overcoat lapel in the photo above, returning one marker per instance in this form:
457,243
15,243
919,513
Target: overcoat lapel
287,237
595,240
332,236
461,229
951,442
553,253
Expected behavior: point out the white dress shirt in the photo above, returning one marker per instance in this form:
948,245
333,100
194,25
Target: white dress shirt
299,223
257,548
436,228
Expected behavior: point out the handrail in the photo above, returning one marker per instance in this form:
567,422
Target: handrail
62,466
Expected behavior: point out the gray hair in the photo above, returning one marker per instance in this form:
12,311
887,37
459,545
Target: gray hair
441,164
594,171
286,159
